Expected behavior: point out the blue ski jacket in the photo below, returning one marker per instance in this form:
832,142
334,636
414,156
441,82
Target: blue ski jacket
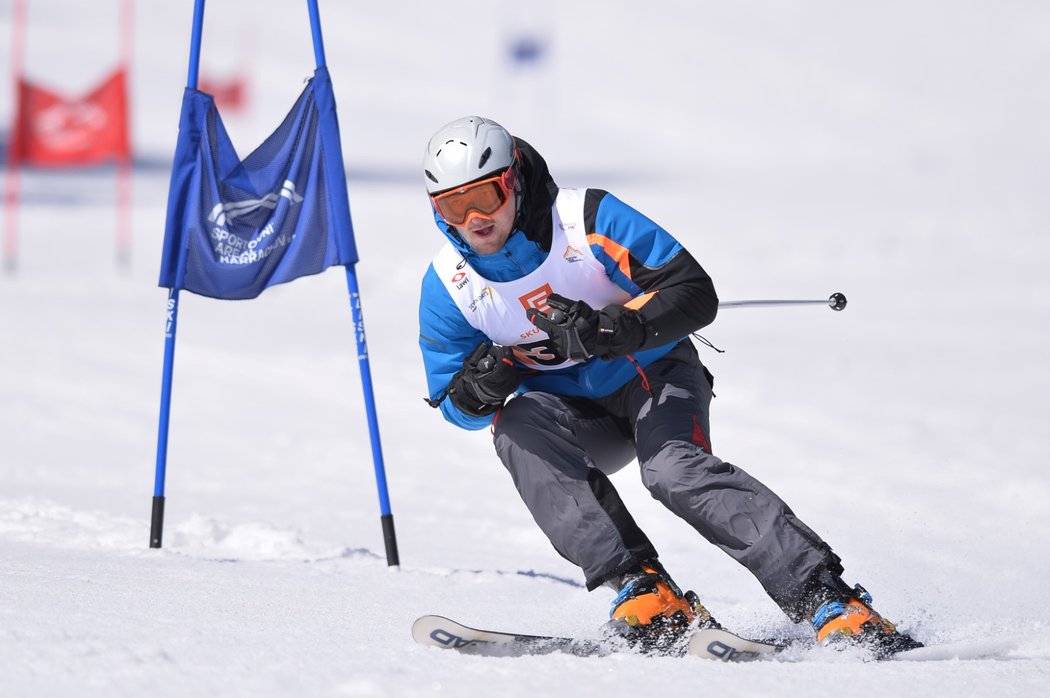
682,296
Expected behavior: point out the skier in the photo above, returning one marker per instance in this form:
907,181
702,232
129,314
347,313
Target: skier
580,308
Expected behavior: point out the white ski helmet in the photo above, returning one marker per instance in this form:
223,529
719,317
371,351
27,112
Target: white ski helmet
465,150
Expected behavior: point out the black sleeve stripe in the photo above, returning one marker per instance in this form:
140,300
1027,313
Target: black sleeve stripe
591,201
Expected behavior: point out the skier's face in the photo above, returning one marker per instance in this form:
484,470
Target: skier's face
488,234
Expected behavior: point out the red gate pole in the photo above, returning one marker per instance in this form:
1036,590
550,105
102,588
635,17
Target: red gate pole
12,176
124,170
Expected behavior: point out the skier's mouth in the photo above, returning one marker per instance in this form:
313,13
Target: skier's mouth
484,232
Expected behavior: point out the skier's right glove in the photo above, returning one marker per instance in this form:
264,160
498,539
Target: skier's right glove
488,376
579,331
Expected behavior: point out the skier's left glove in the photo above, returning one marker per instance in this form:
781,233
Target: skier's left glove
578,331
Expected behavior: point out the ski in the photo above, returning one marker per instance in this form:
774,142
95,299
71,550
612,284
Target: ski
725,646
708,643
438,631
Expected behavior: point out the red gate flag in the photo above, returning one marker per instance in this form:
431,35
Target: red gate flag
231,95
52,131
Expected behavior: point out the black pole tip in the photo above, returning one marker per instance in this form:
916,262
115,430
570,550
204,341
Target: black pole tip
390,539
837,301
156,528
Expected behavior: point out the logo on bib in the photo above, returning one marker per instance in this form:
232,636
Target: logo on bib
485,293
537,298
541,353
460,279
572,255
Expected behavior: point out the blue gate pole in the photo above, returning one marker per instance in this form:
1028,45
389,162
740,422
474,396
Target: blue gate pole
386,517
315,28
156,532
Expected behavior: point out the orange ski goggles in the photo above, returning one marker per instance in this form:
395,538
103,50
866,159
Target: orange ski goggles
482,198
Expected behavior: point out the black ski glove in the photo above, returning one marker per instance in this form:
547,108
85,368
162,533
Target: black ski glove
488,376
578,331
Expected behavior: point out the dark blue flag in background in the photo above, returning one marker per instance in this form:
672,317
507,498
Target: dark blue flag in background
236,227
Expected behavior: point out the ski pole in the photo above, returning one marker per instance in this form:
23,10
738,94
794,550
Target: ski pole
837,301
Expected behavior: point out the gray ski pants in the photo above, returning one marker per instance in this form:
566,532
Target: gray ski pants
559,451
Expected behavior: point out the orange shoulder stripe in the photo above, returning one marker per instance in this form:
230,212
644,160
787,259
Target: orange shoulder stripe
615,250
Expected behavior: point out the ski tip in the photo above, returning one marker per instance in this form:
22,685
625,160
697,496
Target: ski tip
724,646
434,631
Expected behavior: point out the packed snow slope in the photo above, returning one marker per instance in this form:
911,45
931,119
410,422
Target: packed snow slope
895,151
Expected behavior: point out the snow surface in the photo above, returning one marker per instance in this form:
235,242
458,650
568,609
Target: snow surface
895,151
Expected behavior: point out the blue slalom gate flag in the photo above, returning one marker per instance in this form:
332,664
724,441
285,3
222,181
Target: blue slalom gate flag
236,227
